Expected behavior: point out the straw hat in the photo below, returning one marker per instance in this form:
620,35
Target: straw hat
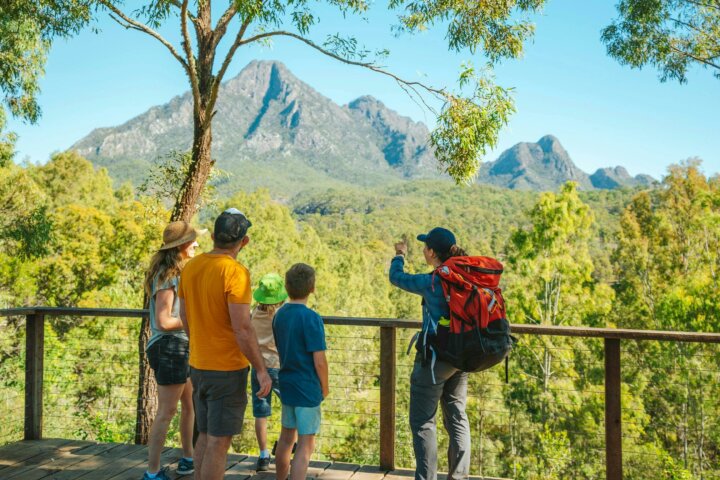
177,233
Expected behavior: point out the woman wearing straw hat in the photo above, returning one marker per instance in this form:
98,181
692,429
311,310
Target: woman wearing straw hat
167,348
270,295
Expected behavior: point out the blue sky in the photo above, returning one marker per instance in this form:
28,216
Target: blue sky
603,113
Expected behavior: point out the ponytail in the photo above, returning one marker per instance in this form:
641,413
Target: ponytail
454,251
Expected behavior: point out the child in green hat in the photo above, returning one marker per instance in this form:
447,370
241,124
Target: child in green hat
270,296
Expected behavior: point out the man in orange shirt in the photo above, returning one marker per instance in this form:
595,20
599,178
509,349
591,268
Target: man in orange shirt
215,299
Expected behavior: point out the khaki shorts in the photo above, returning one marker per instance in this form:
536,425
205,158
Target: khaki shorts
220,399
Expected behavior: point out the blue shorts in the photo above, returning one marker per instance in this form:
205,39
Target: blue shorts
306,420
262,407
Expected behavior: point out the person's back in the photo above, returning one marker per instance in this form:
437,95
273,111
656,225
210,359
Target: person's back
300,340
270,295
214,297
209,282
299,332
167,348
434,380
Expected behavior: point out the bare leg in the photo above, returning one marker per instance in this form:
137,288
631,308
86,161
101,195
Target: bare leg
200,454
282,454
301,460
261,432
168,396
214,457
187,420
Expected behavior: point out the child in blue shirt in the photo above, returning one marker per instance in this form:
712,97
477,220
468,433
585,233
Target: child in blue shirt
300,340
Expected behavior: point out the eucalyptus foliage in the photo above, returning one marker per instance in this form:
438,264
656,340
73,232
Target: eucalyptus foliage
671,35
547,422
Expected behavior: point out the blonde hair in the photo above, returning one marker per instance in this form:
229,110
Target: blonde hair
164,264
270,309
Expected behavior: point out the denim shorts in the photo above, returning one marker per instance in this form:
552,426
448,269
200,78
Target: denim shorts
168,357
306,420
220,399
262,407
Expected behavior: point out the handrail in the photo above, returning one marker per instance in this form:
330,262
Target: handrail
34,370
532,329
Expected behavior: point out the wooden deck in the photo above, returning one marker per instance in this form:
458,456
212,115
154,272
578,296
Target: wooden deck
58,459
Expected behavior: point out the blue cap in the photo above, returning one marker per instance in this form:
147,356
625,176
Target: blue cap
439,239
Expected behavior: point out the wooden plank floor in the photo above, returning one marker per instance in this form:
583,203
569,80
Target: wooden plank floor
58,459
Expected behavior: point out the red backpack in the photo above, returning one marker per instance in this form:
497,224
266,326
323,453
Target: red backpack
478,335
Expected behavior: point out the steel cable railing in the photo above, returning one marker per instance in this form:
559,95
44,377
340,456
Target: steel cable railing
575,402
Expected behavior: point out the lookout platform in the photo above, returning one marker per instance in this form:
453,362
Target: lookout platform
60,459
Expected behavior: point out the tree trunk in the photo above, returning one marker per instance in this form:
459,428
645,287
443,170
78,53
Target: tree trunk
201,166
147,389
188,199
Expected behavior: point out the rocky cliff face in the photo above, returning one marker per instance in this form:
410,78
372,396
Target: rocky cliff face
266,117
272,128
609,178
545,165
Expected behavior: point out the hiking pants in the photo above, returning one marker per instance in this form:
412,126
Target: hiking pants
450,389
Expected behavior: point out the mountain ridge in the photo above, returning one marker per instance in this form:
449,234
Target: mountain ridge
271,129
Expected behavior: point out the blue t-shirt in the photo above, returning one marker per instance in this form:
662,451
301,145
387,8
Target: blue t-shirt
299,332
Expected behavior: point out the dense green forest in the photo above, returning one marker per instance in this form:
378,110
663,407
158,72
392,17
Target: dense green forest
634,259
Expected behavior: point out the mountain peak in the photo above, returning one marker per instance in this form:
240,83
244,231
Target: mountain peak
365,100
404,142
267,116
544,165
617,177
550,144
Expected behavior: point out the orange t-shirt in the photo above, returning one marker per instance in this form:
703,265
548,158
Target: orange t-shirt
207,284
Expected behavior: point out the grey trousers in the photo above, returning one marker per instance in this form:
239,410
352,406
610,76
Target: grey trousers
450,389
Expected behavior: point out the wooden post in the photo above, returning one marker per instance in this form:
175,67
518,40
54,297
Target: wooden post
34,355
387,398
613,411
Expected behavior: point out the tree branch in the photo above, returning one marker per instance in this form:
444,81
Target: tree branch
369,66
226,63
696,58
135,25
691,27
192,67
223,23
178,5
702,4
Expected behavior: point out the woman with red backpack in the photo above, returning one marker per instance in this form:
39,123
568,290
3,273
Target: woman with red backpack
434,380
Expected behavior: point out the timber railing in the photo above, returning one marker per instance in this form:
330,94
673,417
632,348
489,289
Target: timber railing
387,377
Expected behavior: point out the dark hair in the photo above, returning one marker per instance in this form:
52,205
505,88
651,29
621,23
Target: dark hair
299,281
454,251
230,229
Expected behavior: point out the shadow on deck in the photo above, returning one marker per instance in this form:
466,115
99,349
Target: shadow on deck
58,459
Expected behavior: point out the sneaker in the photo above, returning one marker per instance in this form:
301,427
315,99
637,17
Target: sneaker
263,464
185,467
161,475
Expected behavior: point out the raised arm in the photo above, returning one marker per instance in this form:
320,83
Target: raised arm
248,343
411,283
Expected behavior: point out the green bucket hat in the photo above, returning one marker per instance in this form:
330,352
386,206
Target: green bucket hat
271,290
